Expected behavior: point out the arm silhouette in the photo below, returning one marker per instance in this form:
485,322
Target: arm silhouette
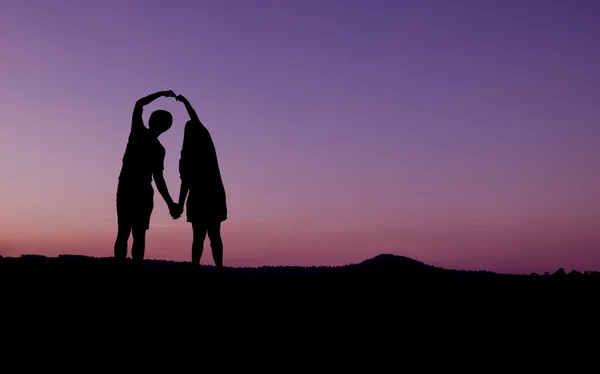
188,107
183,191
185,188
184,170
161,186
137,122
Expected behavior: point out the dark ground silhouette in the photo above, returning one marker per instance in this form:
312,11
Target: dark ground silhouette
380,274
382,307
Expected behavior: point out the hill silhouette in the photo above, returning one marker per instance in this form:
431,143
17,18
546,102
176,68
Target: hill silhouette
384,267
362,304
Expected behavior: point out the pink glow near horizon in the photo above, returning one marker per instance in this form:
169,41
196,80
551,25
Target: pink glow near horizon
463,135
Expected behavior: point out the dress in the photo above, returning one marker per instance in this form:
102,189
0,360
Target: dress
199,169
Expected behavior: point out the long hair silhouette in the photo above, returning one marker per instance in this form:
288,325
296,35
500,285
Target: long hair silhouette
200,175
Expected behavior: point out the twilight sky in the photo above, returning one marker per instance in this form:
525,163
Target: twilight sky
460,133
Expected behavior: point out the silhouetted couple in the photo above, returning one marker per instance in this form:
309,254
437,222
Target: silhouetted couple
201,182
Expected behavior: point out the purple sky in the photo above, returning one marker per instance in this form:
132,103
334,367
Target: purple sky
460,133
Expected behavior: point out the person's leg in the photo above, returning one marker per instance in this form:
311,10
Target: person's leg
141,222
216,244
121,242
199,234
139,243
124,223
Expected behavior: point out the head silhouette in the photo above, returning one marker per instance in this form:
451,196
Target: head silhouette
160,121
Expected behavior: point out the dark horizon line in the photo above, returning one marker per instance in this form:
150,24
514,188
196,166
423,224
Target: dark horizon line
380,259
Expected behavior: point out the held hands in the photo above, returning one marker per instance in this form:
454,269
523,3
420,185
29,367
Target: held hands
175,211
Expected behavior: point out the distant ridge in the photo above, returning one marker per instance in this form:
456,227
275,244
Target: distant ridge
380,265
381,261
389,260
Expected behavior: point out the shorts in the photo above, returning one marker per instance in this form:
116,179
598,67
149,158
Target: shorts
135,205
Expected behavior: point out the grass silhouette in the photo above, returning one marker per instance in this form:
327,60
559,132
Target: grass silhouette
373,304
386,271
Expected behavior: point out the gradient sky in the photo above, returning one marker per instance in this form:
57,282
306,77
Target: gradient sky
460,133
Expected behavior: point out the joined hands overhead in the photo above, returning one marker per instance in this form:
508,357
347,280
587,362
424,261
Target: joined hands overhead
179,97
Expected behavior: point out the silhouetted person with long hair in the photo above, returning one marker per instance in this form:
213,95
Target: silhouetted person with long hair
143,160
200,176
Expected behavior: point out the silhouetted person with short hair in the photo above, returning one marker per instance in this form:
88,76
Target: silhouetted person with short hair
199,171
143,160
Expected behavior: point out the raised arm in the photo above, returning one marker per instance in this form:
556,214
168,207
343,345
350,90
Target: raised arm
188,107
137,122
